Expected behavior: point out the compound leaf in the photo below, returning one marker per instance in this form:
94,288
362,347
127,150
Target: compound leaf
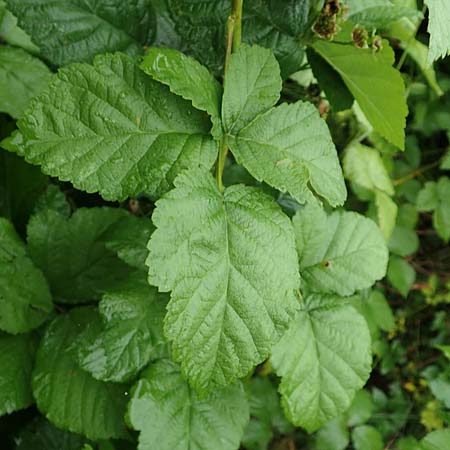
290,148
72,254
171,416
110,128
24,293
67,395
338,253
16,363
69,31
252,86
130,334
233,272
323,359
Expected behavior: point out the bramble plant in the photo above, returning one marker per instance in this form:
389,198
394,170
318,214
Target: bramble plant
181,264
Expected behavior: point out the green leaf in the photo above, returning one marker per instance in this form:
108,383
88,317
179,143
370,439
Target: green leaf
360,410
130,333
438,20
403,242
401,275
364,167
171,416
72,254
436,440
379,310
75,31
338,253
16,363
376,85
323,359
252,86
290,148
436,197
445,164
444,349
25,297
11,33
53,199
110,128
188,78
386,213
42,435
67,395
407,216
233,272
20,186
22,77
128,238
367,437
333,435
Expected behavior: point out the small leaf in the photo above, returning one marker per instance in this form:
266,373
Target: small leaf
323,359
338,253
360,410
436,440
110,128
386,213
401,275
380,312
22,77
290,148
233,272
130,334
367,437
252,86
67,395
188,78
16,363
170,416
333,435
376,85
438,19
24,294
72,255
72,31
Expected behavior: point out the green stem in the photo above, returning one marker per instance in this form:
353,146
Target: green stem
234,34
416,173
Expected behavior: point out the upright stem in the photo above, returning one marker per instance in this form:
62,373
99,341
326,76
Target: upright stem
234,33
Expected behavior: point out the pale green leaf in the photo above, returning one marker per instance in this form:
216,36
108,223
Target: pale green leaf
252,86
376,85
171,416
364,167
367,437
323,359
428,199
386,213
360,410
110,128
67,395
130,333
16,363
22,77
401,275
439,29
403,242
72,254
290,148
379,310
436,440
233,272
445,164
444,349
338,253
69,31
188,78
25,300
334,435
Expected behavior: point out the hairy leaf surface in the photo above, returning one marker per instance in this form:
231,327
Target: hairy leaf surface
338,253
290,148
232,269
68,396
110,128
323,359
171,416
25,299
